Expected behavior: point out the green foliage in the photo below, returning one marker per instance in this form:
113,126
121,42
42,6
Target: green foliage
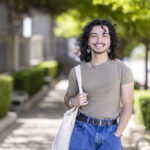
70,27
131,16
135,14
50,68
148,116
72,21
6,87
131,44
29,80
136,86
142,106
126,5
49,6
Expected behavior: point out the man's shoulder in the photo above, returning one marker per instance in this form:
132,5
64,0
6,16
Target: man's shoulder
119,62
122,65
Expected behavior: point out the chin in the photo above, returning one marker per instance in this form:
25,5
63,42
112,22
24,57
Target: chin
99,51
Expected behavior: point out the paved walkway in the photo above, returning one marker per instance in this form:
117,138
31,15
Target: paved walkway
35,129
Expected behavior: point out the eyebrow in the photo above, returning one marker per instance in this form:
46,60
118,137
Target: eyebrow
96,33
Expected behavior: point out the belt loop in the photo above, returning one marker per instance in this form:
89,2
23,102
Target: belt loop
88,119
109,124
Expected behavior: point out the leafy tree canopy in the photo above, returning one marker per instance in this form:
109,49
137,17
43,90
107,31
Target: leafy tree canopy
131,16
54,7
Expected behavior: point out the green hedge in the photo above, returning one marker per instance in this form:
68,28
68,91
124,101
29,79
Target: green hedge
29,80
6,87
136,85
50,68
142,106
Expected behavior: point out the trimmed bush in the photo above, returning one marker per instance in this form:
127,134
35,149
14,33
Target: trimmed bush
29,80
142,106
6,87
148,117
136,85
50,68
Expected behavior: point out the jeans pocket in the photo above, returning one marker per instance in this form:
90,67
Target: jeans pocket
80,125
114,127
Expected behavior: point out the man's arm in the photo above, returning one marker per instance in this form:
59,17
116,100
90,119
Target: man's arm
78,100
66,99
127,97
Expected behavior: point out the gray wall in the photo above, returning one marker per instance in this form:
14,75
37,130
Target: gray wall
42,24
4,23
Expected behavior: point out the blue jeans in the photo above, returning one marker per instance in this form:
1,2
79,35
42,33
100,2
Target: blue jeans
87,136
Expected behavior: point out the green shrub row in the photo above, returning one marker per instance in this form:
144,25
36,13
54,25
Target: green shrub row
136,85
6,87
142,106
50,68
29,80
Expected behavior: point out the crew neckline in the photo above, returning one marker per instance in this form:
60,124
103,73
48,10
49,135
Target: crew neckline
98,66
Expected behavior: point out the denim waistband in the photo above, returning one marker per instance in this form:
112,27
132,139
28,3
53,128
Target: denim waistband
96,121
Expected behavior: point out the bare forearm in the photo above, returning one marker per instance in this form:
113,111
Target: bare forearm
77,100
66,99
124,118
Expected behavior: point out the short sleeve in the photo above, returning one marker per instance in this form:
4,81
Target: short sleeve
126,74
72,83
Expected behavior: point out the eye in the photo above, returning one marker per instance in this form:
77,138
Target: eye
105,35
93,36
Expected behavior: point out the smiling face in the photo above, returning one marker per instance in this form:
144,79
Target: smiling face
99,39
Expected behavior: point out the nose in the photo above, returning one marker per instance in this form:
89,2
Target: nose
100,39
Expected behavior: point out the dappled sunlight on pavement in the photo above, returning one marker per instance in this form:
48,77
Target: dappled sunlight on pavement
32,134
36,128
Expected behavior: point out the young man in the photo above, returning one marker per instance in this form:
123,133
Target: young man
106,81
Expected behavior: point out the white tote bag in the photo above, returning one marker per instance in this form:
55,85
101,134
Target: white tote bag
62,139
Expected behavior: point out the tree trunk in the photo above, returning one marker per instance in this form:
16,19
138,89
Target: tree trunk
146,66
15,21
122,44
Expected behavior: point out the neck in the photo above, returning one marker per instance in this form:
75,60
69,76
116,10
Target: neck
99,58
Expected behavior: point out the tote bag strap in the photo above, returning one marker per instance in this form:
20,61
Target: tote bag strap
79,80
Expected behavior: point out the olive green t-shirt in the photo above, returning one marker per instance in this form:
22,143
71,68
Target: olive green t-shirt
103,85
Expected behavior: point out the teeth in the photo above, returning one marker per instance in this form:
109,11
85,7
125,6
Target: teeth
99,45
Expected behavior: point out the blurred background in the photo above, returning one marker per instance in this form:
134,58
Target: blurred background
37,50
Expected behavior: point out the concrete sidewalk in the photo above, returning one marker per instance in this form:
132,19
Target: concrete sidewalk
36,128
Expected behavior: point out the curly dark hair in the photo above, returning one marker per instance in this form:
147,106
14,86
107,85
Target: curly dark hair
82,41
